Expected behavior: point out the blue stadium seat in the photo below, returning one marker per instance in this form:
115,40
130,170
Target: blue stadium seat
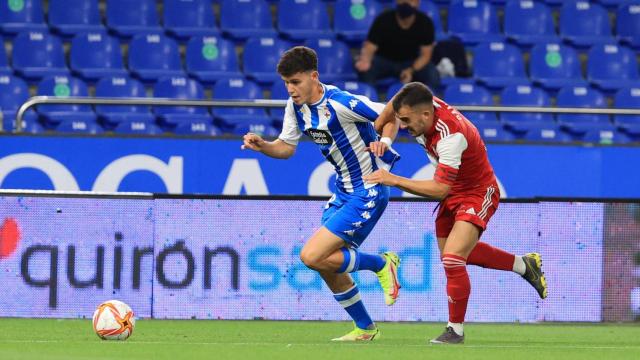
603,134
628,98
473,21
38,54
128,18
25,15
353,18
13,93
265,130
64,86
471,94
611,67
4,63
528,23
227,118
334,59
431,9
152,56
524,95
302,19
111,115
498,64
32,126
70,17
79,125
584,24
95,55
137,128
186,18
555,3
242,19
493,131
554,66
179,87
261,56
582,97
393,89
359,88
278,92
612,3
210,58
548,133
628,24
201,128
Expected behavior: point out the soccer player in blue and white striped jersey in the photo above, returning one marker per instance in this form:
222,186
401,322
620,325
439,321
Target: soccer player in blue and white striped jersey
342,125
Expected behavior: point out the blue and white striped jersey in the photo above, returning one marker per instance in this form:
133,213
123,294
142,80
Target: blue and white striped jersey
341,124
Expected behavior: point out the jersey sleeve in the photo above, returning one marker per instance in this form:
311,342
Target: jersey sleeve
449,149
356,108
291,133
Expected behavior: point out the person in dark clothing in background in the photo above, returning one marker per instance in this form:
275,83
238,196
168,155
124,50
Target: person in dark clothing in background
399,44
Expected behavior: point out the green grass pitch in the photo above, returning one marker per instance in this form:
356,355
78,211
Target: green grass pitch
44,339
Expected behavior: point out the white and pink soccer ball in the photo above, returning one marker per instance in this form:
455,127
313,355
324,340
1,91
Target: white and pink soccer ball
113,320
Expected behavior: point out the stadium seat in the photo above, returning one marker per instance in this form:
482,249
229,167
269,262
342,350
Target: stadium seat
524,95
584,24
152,56
628,98
554,66
201,128
278,92
555,3
186,18
261,56
548,133
582,97
265,130
611,67
137,128
602,134
210,58
111,115
24,15
96,55
38,54
64,86
242,19
302,19
4,62
498,64
128,18
612,3
353,18
227,118
431,9
628,24
32,126
529,22
493,131
184,88
393,89
71,17
471,94
13,93
334,59
81,125
359,88
473,21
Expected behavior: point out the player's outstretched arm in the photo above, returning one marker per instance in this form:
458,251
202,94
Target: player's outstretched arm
276,149
426,188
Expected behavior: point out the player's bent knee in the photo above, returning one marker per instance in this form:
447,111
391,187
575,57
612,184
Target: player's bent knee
310,259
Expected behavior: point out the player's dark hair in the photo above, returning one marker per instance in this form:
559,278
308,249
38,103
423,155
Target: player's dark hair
296,60
412,94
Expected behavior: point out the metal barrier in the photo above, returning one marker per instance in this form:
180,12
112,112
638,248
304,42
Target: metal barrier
264,103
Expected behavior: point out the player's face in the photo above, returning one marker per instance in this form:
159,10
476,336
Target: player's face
416,120
301,86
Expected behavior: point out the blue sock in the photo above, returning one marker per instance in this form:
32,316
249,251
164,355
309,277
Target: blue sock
350,301
355,260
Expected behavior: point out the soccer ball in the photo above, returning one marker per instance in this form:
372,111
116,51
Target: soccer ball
113,320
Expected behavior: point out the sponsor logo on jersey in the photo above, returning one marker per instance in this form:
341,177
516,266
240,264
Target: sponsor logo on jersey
320,137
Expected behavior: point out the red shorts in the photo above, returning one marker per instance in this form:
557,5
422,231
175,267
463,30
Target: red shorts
475,207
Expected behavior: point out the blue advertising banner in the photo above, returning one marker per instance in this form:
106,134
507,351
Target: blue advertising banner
206,166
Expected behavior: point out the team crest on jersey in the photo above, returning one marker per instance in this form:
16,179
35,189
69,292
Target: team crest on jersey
353,103
320,137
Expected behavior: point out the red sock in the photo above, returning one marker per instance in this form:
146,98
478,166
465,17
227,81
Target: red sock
491,257
458,286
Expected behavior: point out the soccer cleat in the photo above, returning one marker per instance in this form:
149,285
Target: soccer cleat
533,273
388,278
358,334
449,336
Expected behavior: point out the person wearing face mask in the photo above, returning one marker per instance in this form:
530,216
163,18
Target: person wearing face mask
399,44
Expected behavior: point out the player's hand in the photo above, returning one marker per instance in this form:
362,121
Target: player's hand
363,65
406,75
381,177
377,148
253,142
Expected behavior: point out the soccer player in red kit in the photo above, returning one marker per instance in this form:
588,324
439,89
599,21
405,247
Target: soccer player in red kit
468,189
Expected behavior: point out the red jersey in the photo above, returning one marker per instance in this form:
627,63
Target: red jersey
455,147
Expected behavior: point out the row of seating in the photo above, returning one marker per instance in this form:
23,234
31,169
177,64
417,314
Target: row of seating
526,22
